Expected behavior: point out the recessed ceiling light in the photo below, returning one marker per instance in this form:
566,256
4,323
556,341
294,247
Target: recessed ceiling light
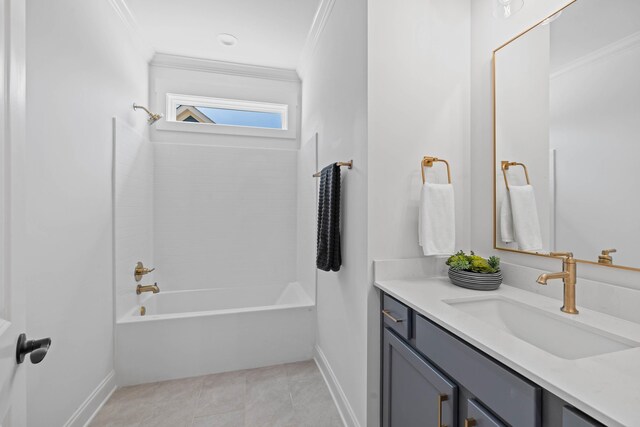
227,39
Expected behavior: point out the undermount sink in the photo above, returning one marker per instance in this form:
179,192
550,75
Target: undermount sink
552,333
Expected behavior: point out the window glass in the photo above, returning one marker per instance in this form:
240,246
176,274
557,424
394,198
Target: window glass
226,112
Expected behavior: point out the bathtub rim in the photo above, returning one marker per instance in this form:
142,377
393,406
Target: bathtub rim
130,317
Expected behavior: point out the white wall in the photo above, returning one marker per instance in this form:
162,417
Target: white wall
133,212
595,128
488,33
225,204
82,70
224,216
416,72
522,125
418,103
334,92
306,238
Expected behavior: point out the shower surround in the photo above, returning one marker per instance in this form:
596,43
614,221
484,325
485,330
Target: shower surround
219,225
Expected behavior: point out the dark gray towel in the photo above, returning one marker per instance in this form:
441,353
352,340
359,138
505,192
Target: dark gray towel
329,257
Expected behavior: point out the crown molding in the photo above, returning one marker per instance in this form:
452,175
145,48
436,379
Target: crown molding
618,46
317,28
222,67
130,22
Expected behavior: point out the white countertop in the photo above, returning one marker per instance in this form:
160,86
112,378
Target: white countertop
607,386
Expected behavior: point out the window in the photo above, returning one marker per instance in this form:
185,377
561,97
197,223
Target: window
226,112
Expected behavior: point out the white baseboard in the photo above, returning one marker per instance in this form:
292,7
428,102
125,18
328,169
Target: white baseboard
346,411
92,404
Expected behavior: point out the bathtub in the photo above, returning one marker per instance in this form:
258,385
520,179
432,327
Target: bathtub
198,332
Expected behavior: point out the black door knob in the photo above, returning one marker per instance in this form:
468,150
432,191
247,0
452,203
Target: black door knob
37,348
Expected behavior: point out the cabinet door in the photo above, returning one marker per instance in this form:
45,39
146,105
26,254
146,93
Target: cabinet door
477,416
396,316
515,399
414,393
573,418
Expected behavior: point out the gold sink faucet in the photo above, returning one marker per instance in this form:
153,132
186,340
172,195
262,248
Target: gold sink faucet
147,288
568,276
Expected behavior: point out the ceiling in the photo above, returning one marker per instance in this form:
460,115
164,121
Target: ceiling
270,32
588,25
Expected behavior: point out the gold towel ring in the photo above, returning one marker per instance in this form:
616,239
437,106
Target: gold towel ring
428,162
505,167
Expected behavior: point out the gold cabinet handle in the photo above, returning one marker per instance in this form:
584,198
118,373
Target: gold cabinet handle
388,314
470,422
441,398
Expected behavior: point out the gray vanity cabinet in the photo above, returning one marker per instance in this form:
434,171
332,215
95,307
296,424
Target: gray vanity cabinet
416,394
396,316
573,418
427,373
514,399
477,416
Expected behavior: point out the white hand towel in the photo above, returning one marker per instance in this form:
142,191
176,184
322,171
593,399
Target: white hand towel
506,219
436,220
526,225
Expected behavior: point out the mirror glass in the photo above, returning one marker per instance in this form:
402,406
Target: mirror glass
567,134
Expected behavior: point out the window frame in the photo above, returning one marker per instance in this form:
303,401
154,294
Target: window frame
175,100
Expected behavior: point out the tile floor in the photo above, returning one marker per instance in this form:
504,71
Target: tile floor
292,395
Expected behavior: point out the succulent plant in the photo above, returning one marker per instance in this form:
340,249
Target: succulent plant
474,263
494,262
460,264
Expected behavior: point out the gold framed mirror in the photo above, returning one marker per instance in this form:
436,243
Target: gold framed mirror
566,135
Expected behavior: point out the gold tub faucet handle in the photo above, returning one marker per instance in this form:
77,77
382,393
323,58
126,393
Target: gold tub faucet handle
140,270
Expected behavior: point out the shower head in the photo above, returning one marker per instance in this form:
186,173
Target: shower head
153,117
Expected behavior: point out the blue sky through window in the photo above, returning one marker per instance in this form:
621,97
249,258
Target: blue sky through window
259,119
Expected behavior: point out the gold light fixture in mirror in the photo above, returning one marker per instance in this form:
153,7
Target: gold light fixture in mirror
506,8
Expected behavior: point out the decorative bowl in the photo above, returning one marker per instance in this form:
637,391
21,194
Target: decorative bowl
476,281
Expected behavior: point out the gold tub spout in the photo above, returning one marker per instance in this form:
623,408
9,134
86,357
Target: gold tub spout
147,288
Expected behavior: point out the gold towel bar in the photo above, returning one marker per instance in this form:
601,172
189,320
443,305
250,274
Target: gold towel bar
428,162
348,164
505,167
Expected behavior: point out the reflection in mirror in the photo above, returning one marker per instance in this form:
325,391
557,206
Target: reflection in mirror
567,135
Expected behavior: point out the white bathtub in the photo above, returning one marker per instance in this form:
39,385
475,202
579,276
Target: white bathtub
190,333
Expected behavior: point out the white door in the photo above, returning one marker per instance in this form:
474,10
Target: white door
12,133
